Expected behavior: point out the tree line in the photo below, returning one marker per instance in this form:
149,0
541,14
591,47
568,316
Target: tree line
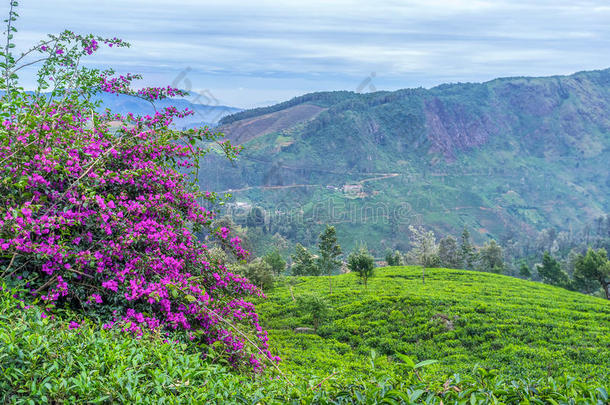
552,257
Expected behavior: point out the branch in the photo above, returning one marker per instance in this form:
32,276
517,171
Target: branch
43,43
42,287
252,343
321,382
28,64
9,265
13,154
7,48
84,174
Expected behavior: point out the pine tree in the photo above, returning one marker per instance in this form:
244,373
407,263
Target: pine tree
448,253
303,262
491,257
524,270
594,267
551,273
330,250
467,251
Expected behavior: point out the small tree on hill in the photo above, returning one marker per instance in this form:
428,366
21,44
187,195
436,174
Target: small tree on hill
258,272
362,263
524,270
275,260
316,306
594,266
468,252
424,249
256,218
330,250
448,253
551,273
303,262
393,258
491,257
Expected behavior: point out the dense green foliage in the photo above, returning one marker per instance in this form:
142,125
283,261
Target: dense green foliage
303,262
258,271
491,258
449,253
460,318
550,271
361,262
524,270
393,257
275,260
43,362
315,307
593,268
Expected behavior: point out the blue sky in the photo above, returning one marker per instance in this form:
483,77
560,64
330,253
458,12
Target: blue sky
253,53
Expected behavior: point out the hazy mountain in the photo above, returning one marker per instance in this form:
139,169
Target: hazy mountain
511,155
205,114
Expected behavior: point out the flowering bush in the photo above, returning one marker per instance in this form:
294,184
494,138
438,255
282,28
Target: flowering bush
97,211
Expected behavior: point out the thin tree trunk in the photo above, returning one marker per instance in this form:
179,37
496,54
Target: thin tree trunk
607,290
423,274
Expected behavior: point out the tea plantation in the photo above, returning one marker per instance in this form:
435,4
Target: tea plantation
495,339
460,318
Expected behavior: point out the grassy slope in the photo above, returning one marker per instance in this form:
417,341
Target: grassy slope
522,328
44,362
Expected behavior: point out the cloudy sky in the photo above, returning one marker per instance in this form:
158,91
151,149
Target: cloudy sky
253,53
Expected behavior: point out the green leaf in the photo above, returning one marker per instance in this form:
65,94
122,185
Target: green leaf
416,394
424,363
394,394
406,359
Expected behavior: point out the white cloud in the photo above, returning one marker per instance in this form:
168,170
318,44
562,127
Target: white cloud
295,46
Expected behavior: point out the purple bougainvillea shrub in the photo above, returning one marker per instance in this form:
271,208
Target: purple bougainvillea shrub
97,211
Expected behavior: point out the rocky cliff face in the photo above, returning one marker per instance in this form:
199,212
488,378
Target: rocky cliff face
451,128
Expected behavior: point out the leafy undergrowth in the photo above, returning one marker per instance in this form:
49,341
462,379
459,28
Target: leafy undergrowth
459,318
43,361
47,362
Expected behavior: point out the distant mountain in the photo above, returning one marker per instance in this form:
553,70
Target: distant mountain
204,114
505,157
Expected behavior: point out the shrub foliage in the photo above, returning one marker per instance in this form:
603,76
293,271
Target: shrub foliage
97,211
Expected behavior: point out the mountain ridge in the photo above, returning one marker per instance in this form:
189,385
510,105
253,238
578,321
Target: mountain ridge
510,155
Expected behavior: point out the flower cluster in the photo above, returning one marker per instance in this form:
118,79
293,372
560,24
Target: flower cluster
101,216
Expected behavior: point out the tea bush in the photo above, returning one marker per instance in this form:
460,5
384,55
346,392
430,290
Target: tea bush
461,318
47,362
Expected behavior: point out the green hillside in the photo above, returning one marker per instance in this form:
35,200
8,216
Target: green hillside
496,339
459,318
509,156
